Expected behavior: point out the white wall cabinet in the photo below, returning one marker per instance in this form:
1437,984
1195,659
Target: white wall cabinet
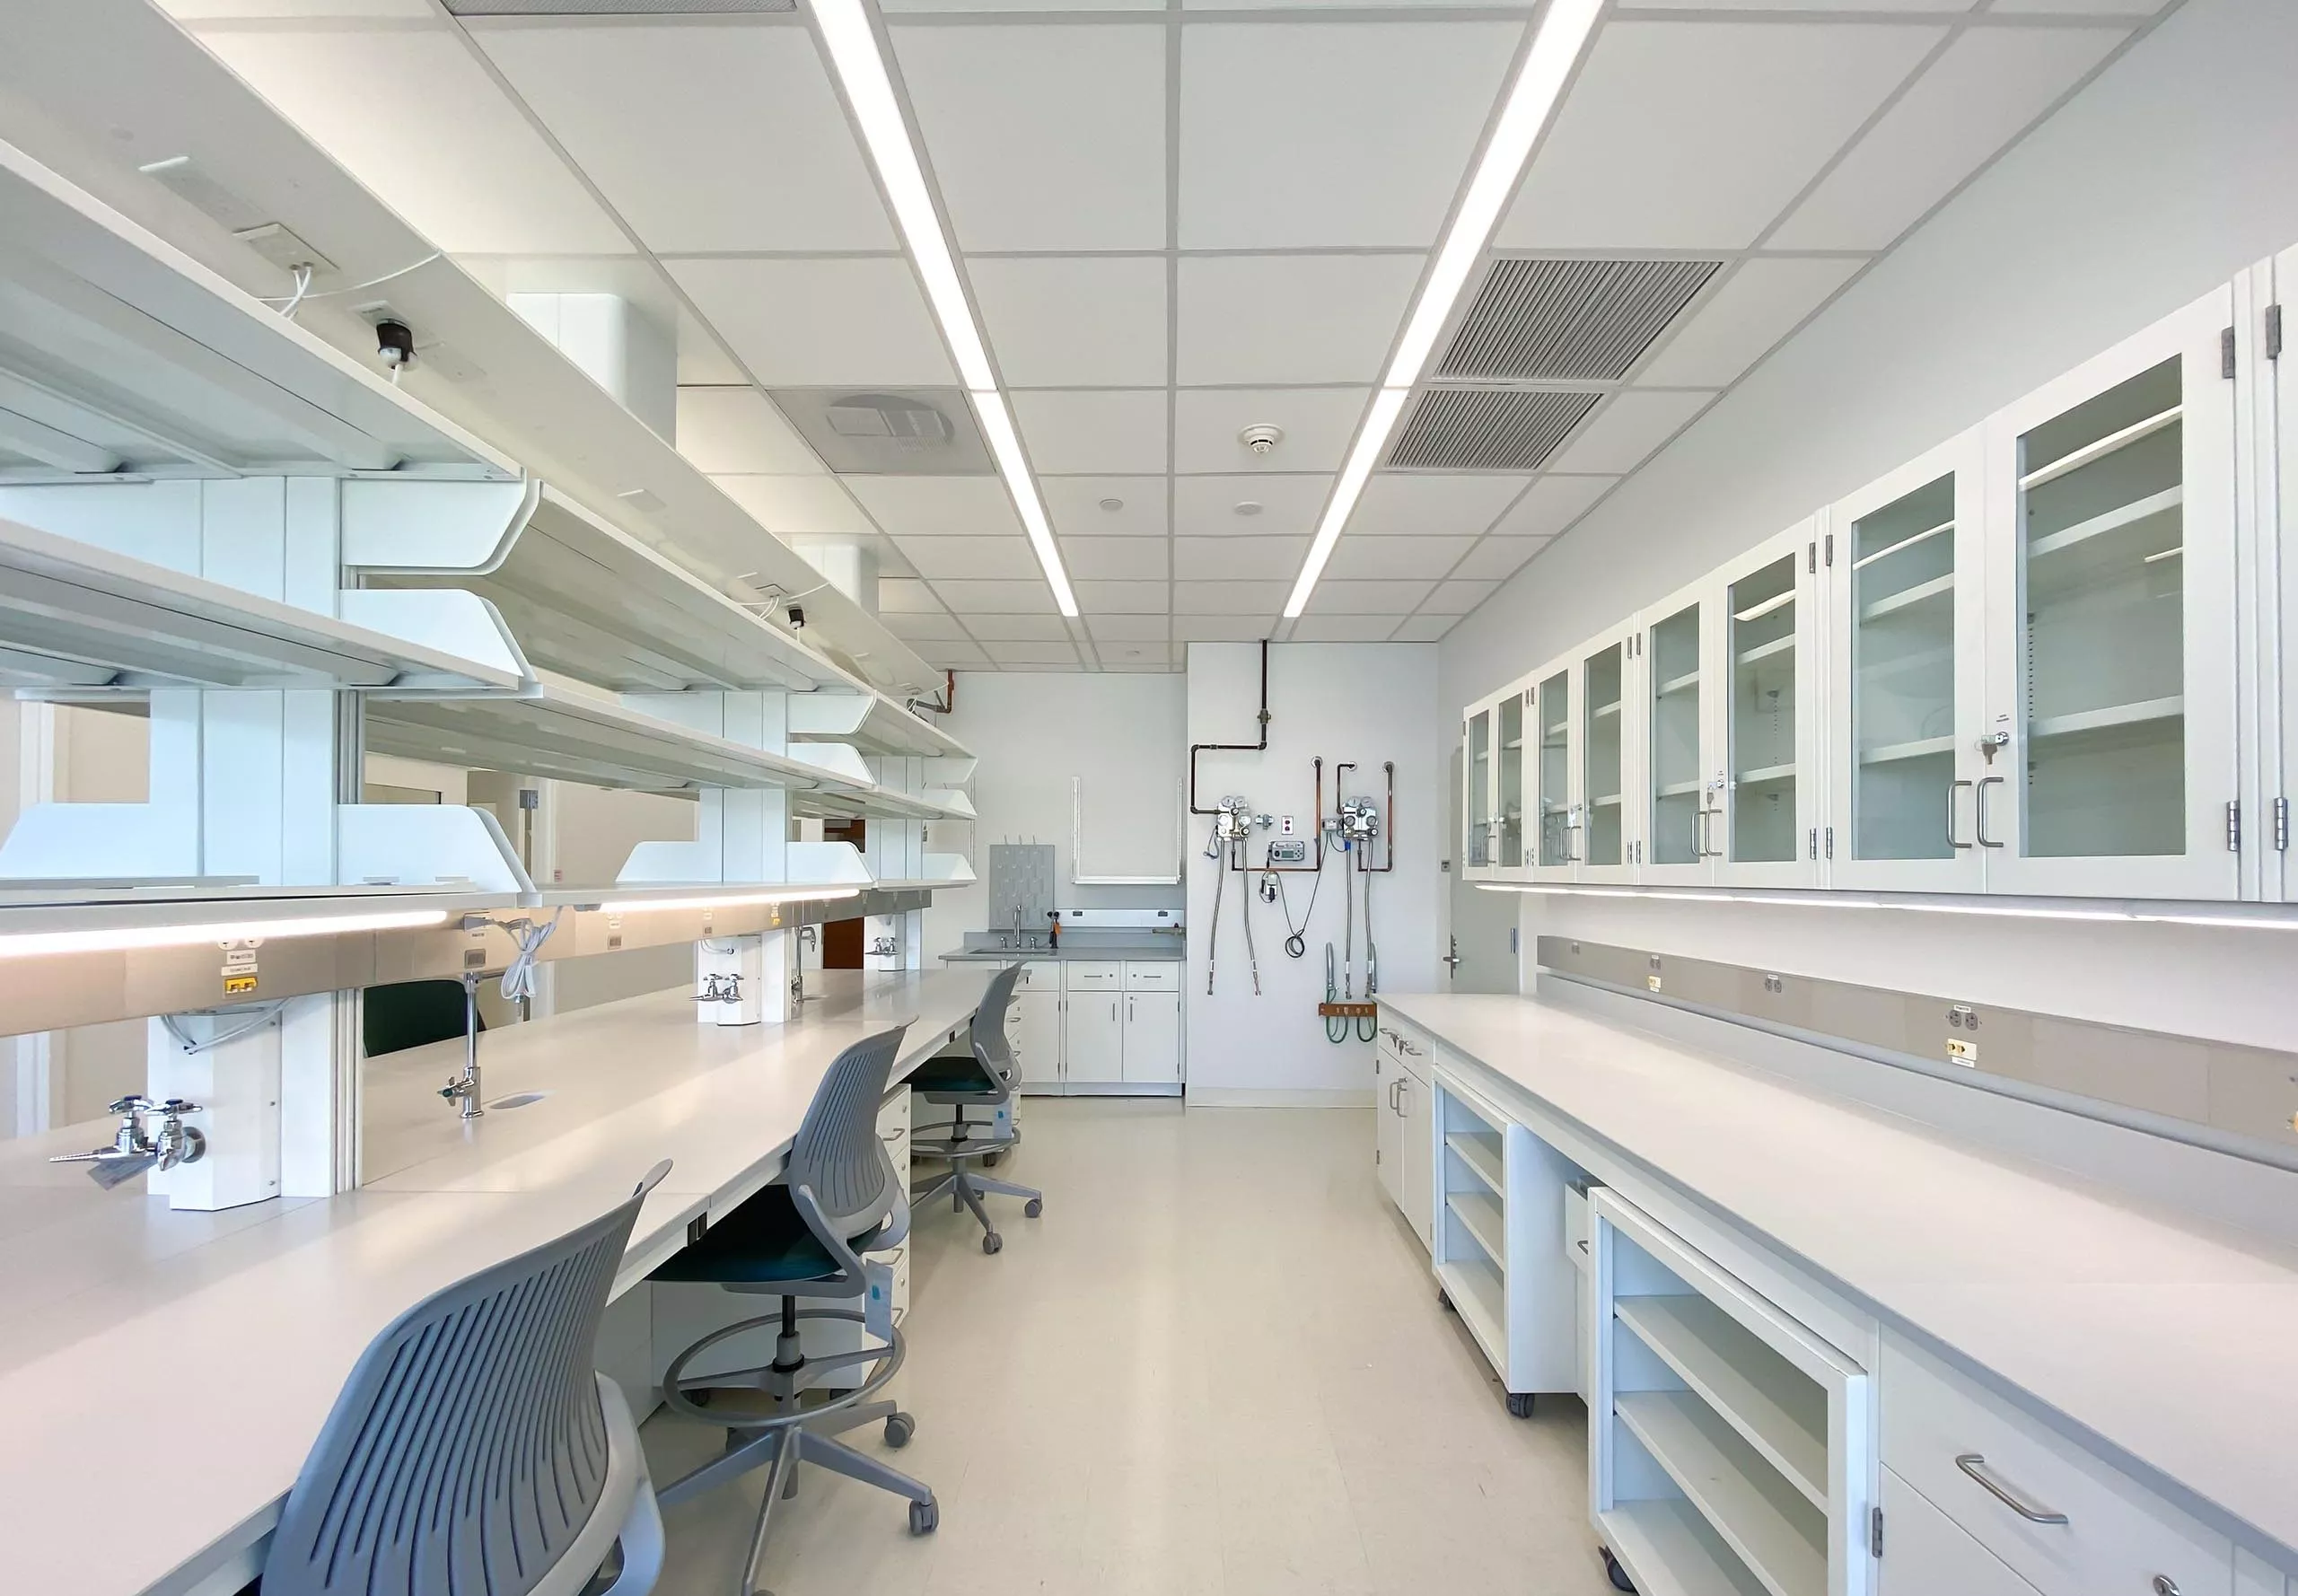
1767,628
1680,798
1098,1025
1403,1129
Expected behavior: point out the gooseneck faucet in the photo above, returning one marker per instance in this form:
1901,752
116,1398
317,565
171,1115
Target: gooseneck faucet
465,1088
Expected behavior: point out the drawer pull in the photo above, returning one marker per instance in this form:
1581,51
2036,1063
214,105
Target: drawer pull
2164,1585
1974,1465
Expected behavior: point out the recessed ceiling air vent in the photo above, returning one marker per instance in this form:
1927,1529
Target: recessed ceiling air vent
612,8
1568,320
904,432
1487,429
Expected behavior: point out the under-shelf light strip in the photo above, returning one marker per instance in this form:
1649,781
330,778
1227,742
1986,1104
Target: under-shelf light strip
2118,916
25,944
860,69
1565,30
733,899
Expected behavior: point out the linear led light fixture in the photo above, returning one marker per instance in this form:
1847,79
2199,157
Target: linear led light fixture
1821,899
860,69
1564,32
736,899
28,944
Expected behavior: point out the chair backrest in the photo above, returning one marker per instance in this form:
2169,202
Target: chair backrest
837,1155
468,1449
993,1049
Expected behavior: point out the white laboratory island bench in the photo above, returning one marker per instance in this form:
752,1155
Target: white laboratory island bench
1826,1351
162,1374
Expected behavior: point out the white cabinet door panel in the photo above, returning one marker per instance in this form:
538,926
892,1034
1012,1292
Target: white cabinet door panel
1093,1038
1153,1037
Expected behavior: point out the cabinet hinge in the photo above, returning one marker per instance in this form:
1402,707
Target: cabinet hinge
1815,842
1875,1532
1812,555
2273,332
1829,542
2282,825
1830,842
2226,352
2234,827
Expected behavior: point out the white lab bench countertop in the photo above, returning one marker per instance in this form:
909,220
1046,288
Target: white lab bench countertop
162,1374
2171,1339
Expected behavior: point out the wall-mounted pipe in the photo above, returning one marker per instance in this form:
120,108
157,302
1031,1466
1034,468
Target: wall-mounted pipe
1261,746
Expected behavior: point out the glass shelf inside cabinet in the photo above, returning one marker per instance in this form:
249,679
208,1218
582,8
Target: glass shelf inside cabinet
2102,533
1512,782
1552,713
1763,713
1672,648
1601,678
1903,674
1478,781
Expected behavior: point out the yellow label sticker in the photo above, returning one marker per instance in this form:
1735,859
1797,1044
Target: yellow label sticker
238,985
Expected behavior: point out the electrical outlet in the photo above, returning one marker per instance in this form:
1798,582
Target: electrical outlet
1286,825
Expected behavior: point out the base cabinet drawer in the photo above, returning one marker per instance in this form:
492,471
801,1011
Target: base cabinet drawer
1153,974
1100,975
1925,1554
2067,1522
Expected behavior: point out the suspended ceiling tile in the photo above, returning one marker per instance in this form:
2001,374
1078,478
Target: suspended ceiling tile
416,118
1313,135
1018,628
897,7
1115,559
1354,556
1076,507
1368,598
1128,629
1398,504
798,506
889,555
1043,137
1457,598
1425,629
1067,321
820,323
955,656
1222,628
1972,101
1551,504
1208,507
1344,628
937,557
1758,305
906,598
195,10
703,137
1496,559
1622,435
1125,597
1063,654
737,430
702,361
1698,134
1318,424
1140,656
924,507
1239,559
935,628
966,598
1114,430
1291,318
1228,598
2118,8
1945,7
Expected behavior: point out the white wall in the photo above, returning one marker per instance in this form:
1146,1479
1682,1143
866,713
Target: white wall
1032,732
2175,170
1365,702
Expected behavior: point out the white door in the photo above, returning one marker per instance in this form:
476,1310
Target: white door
1906,700
1033,1026
1479,950
1387,1125
1093,1038
1509,860
1153,1038
2277,468
1607,705
1767,665
1554,806
2111,642
1415,1136
1477,823
1675,799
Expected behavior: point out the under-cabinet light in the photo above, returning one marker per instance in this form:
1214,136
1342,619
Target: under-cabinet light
1818,897
1557,46
860,69
110,939
733,899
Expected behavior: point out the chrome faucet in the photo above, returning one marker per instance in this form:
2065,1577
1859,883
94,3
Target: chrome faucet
464,1088
133,1151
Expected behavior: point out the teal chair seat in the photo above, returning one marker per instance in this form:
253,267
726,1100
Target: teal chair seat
764,1241
955,1073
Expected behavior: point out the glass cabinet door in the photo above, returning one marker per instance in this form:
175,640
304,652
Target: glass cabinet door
1476,780
1767,834
1511,759
1604,850
1552,724
2117,762
1676,762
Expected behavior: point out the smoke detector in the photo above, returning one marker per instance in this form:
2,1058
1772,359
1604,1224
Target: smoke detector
1112,505
1260,437
1247,507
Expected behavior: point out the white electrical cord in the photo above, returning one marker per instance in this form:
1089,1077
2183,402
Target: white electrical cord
519,975
193,1045
303,285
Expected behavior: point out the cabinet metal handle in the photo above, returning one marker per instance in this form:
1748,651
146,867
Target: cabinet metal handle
2164,1585
1974,1465
1953,788
1979,811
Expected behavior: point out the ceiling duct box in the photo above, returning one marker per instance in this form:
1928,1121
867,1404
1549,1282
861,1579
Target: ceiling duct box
1487,429
889,432
1568,320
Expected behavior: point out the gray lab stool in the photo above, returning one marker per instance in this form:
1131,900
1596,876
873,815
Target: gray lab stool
987,1081
838,1198
474,1451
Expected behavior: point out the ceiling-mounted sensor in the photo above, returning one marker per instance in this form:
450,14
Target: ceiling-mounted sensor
903,422
1261,438
1247,507
1112,505
281,247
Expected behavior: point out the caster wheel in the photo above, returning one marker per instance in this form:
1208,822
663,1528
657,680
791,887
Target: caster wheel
700,1399
1519,1404
993,1243
924,1517
1444,1301
1618,1575
1034,1208
899,1428
990,1160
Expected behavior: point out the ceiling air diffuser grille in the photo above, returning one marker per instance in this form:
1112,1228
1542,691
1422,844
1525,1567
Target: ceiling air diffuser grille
612,8
1487,429
1569,321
